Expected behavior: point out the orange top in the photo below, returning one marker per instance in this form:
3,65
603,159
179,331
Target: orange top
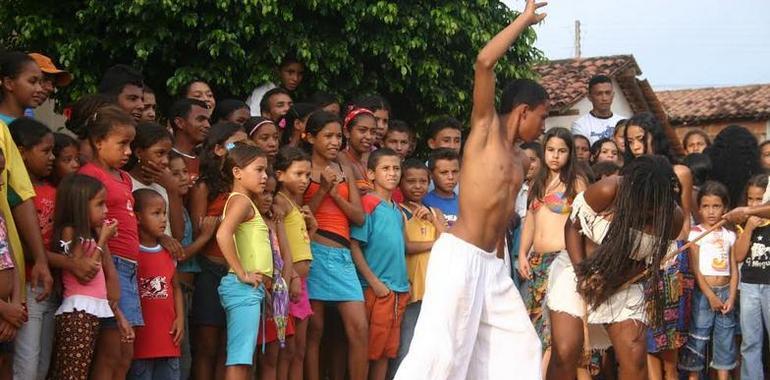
215,208
328,215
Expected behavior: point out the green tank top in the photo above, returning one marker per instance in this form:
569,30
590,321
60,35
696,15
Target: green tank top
252,242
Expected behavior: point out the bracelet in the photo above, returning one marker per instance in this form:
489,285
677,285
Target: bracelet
98,248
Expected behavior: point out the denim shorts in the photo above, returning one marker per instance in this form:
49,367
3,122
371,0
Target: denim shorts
206,307
129,302
242,304
333,275
709,326
149,369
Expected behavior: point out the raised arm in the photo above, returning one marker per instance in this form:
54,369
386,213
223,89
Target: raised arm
484,77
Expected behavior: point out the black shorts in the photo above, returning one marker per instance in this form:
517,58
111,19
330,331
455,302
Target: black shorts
206,308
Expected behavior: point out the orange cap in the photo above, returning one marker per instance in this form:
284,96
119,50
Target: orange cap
63,77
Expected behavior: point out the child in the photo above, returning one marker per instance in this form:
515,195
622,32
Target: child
381,110
156,353
379,251
717,277
445,132
619,136
751,250
275,104
294,123
292,168
444,166
326,102
359,128
264,133
33,343
398,138
81,116
603,169
231,110
207,198
582,147
150,104
189,120
604,149
110,135
80,217
422,227
244,240
66,152
289,73
13,315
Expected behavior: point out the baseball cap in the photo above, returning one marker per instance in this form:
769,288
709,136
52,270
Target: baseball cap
63,78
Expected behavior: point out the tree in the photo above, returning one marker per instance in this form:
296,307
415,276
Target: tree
418,54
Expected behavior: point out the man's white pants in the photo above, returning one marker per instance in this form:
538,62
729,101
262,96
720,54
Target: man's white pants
473,324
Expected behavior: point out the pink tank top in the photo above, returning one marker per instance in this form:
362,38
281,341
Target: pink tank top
97,287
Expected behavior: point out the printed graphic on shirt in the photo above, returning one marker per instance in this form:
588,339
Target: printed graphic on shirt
760,254
153,287
45,216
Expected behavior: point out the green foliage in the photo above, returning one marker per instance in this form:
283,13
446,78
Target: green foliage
418,54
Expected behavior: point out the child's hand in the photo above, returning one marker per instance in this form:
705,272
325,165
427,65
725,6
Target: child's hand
13,313
108,230
715,303
524,269
127,334
328,178
208,226
85,268
310,222
277,212
172,246
422,212
295,288
254,279
753,222
380,290
177,331
728,306
7,332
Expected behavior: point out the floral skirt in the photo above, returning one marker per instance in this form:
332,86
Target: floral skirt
677,283
534,296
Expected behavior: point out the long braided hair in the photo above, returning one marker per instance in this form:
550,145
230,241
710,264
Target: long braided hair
644,204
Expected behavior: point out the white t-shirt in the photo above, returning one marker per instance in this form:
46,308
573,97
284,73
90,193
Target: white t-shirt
521,201
595,128
714,256
136,185
256,97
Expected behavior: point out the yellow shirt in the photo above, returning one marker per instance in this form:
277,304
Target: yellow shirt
252,242
15,175
296,233
418,230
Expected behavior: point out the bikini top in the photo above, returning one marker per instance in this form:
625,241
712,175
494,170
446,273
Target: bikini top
557,202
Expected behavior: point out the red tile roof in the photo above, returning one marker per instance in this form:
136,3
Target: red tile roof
566,80
717,103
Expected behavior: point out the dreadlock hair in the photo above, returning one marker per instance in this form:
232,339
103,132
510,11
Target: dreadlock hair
644,205
568,175
211,172
734,158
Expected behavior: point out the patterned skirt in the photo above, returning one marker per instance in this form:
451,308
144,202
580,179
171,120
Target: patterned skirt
535,292
677,283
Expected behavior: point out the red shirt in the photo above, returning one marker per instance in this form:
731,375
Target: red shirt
120,206
397,195
45,200
155,273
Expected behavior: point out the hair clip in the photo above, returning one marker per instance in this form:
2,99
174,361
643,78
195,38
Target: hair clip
282,123
261,123
229,146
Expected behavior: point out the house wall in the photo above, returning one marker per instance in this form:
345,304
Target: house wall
759,128
620,106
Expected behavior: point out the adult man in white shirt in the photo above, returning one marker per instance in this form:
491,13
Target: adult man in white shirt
600,121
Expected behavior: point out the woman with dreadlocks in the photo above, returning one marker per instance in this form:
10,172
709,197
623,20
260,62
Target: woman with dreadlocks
633,218
644,135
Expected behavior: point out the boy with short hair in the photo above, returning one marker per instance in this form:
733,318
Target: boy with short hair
275,104
189,118
149,111
445,132
379,252
399,138
124,85
444,165
289,73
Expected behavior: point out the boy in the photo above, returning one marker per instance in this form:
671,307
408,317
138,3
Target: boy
379,250
189,118
399,138
156,351
149,111
275,104
290,73
472,322
123,85
445,132
444,166
422,227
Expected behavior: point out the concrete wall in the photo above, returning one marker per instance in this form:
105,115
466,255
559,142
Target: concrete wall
620,106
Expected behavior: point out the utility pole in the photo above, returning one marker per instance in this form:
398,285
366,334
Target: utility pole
577,39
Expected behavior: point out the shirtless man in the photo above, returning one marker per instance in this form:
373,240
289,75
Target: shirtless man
473,323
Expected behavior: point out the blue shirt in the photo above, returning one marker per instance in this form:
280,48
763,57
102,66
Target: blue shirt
6,119
449,206
382,241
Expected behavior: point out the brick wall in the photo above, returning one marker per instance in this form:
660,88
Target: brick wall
757,127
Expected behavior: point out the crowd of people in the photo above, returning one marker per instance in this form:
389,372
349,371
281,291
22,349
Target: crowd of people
223,238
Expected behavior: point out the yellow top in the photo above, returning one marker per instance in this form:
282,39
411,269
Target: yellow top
252,242
418,230
296,233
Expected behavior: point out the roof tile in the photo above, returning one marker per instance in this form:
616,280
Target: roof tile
717,103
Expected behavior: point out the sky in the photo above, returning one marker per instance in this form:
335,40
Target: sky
677,43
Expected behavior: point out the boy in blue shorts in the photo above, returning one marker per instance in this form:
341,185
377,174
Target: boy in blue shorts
444,166
379,252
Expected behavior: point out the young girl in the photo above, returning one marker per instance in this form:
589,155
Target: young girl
12,312
292,168
245,243
604,149
231,110
208,198
265,135
80,118
79,220
157,342
334,201
149,170
751,249
716,273
359,127
66,152
554,187
33,343
381,110
619,135
21,88
295,120
110,135
533,151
